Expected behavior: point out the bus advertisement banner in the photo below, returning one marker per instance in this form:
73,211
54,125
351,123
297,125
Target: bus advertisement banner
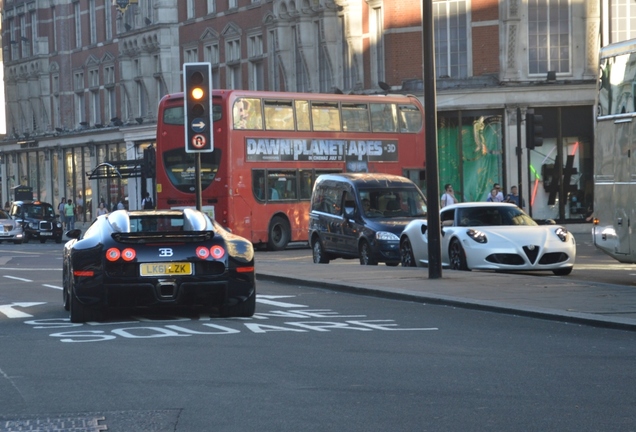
319,150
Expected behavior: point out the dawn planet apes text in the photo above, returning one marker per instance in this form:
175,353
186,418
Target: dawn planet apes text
306,149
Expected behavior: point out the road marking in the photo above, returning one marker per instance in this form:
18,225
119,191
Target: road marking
10,312
17,278
30,269
53,286
265,300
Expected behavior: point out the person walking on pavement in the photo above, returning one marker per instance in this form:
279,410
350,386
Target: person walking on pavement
146,203
500,196
102,210
513,197
69,214
449,196
60,209
493,197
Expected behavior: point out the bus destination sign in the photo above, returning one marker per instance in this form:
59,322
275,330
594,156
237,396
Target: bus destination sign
318,150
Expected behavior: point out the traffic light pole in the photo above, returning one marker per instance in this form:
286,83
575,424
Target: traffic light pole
197,181
519,154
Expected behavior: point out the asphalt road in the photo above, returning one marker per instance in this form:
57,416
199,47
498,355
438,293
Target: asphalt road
310,359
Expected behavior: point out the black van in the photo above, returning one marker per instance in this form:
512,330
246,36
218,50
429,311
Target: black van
362,216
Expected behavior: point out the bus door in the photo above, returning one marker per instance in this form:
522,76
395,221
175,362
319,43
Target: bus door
623,201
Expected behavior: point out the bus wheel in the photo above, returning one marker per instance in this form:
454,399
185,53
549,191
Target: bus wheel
279,234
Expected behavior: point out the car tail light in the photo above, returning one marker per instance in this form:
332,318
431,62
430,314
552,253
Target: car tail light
85,273
128,254
245,269
113,254
217,252
203,252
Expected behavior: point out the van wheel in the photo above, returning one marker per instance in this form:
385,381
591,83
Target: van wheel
320,257
279,234
365,254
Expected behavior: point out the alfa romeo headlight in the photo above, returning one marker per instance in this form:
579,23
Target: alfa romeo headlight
562,233
477,235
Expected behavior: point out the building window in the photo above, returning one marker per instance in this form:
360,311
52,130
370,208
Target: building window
93,78
96,111
451,38
548,36
274,66
255,55
108,19
211,6
24,41
622,21
78,82
93,22
109,74
190,8
34,33
233,63
377,44
348,78
324,64
232,4
80,108
78,24
211,53
111,103
302,76
191,55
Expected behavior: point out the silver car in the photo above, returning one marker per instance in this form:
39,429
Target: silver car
10,229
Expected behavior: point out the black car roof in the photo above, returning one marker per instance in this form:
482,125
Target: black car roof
367,179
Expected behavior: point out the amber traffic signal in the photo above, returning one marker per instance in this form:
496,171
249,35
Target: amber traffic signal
197,79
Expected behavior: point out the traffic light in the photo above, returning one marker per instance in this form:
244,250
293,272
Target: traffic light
197,101
150,162
534,129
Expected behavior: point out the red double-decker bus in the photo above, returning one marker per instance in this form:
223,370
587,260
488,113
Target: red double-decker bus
269,148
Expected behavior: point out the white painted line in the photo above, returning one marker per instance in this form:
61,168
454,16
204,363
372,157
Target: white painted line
17,278
279,304
10,312
30,269
53,286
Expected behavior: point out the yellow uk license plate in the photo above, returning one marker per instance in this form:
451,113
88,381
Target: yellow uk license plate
166,269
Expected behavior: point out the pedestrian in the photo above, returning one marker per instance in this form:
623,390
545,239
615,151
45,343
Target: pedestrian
513,197
448,197
69,214
493,197
60,210
102,210
79,206
147,203
500,196
120,204
7,206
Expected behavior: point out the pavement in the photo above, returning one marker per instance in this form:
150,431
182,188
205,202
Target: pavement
535,295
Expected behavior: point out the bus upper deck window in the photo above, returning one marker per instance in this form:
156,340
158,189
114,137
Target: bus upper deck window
279,115
173,115
246,114
355,117
325,116
383,117
410,118
302,115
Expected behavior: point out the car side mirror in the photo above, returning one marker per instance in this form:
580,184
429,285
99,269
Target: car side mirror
74,233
